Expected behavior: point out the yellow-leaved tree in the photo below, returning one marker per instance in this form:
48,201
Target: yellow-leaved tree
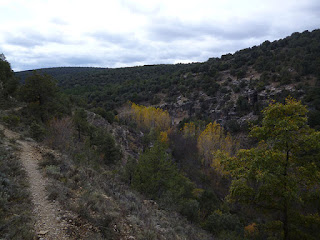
215,145
189,129
150,117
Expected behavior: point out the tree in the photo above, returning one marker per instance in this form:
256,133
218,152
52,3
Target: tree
106,146
60,133
8,83
150,117
281,175
189,129
40,92
80,122
213,142
157,176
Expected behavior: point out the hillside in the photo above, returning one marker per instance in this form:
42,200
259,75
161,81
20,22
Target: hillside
67,203
225,149
231,89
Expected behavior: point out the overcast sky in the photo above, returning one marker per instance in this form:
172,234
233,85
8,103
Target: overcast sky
117,33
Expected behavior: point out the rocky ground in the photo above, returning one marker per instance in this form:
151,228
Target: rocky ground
48,215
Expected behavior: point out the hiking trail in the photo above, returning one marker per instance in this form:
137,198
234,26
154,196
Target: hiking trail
48,222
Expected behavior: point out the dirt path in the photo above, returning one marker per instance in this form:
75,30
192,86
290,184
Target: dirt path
48,223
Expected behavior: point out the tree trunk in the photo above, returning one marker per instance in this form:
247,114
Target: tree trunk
286,204
285,222
40,109
79,133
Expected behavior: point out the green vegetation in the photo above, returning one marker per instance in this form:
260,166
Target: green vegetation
8,82
16,220
109,88
119,157
156,176
280,177
42,96
292,60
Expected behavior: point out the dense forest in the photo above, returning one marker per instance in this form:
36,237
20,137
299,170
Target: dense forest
230,147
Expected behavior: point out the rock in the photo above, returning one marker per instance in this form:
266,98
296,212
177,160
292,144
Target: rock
43,232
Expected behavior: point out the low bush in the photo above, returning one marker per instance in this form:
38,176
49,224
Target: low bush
37,131
16,220
190,209
12,120
218,222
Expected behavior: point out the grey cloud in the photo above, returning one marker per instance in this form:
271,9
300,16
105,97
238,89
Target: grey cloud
179,52
80,60
132,58
109,37
173,30
242,31
123,40
31,39
24,42
31,60
110,59
312,7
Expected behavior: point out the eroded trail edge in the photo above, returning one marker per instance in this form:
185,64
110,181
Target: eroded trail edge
48,223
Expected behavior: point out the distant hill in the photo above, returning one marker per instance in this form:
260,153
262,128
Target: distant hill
61,73
232,88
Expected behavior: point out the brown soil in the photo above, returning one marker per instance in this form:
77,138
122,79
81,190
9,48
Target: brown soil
48,223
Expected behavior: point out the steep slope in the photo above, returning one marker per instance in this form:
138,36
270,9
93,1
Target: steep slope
231,89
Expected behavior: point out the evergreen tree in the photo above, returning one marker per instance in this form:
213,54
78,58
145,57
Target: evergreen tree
8,82
80,122
157,176
40,92
280,177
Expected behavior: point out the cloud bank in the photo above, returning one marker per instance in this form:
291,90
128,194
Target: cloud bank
37,34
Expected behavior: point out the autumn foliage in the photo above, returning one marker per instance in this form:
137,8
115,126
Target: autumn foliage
251,231
150,117
214,144
189,129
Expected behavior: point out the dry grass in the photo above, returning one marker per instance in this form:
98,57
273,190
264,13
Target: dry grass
16,220
99,197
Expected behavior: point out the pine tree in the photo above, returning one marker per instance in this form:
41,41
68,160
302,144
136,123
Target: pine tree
280,177
8,82
40,92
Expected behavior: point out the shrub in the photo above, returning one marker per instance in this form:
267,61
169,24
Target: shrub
110,117
209,202
157,176
12,120
37,131
218,222
190,209
106,147
233,126
15,201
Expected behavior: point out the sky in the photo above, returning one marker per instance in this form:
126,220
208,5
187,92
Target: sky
119,33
